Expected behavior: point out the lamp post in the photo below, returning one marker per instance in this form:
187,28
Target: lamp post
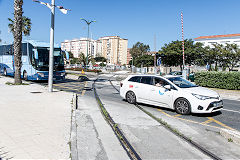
88,23
51,59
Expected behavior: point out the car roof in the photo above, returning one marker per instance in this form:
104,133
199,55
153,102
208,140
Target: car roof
171,76
151,75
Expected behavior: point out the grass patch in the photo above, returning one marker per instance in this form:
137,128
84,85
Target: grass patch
230,140
17,84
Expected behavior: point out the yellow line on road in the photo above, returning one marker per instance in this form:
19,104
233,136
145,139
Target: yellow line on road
177,115
220,123
60,86
85,85
207,121
210,119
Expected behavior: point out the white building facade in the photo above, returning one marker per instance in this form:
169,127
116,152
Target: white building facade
113,48
219,39
78,46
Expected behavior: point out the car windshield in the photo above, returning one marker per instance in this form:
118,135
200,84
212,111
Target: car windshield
182,83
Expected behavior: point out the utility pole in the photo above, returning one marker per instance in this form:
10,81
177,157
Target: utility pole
51,56
184,69
183,41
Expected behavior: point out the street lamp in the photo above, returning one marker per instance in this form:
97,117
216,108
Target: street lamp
88,23
51,59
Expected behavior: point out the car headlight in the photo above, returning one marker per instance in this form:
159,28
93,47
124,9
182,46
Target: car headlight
201,97
41,74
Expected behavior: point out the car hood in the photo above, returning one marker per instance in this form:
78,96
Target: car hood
201,91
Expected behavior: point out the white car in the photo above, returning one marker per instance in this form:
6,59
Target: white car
170,92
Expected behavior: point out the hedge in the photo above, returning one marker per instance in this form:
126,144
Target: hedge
88,70
223,80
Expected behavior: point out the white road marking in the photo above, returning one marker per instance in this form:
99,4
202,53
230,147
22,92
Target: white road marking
231,110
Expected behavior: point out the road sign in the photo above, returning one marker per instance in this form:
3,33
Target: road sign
159,61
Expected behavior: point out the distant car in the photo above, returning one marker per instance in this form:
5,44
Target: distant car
171,92
175,73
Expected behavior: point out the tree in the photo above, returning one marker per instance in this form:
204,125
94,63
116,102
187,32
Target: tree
19,25
230,56
139,49
146,60
17,34
26,25
83,59
173,53
100,59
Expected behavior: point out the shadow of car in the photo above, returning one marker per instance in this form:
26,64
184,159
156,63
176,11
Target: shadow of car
83,78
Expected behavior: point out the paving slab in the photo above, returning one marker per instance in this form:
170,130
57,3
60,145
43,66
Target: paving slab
34,124
94,138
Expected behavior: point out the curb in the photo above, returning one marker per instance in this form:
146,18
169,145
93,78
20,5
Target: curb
73,136
231,135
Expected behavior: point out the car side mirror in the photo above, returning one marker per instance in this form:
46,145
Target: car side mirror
168,87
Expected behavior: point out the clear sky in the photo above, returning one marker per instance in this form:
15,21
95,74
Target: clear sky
135,20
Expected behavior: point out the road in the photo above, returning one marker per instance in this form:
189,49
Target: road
151,140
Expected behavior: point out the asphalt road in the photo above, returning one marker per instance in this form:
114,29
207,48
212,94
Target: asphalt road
228,118
202,129
196,126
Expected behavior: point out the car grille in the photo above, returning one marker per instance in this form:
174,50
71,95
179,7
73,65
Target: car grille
215,105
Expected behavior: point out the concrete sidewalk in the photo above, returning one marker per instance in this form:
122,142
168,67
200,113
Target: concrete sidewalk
92,136
34,124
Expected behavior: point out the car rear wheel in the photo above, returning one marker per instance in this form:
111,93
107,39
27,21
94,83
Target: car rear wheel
131,97
182,106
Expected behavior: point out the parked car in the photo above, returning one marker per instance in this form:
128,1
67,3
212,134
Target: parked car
175,73
171,92
179,73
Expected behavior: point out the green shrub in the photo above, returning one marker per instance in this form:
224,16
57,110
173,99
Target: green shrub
88,70
223,80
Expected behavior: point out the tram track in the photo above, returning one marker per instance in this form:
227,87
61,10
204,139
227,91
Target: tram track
122,139
173,130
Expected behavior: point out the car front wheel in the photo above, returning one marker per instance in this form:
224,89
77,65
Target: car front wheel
131,97
25,76
5,72
182,106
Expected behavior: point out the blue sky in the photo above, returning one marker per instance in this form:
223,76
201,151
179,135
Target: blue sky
135,20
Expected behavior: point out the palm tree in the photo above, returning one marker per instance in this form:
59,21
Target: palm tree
83,59
17,27
26,25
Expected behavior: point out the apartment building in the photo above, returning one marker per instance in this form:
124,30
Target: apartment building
113,48
78,46
129,56
219,39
